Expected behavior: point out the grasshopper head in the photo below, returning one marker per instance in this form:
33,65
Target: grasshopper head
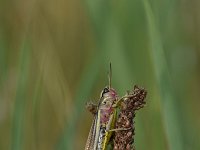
108,97
108,92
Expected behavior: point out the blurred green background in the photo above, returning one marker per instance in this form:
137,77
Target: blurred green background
54,57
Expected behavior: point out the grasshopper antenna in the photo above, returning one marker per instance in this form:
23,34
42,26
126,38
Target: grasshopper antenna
110,76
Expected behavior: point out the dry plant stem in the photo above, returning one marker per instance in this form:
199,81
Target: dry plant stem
123,140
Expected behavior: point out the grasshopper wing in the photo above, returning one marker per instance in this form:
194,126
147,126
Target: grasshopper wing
91,137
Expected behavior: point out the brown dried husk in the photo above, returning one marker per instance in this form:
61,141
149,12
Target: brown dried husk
124,139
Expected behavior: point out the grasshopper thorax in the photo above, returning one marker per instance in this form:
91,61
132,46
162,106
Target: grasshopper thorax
108,97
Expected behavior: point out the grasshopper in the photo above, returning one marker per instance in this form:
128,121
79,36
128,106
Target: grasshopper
104,118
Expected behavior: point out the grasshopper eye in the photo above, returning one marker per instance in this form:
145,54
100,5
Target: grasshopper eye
105,90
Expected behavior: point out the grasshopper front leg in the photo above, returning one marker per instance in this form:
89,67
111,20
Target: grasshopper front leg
113,117
117,103
91,107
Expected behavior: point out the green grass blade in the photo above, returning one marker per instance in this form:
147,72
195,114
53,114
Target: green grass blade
168,98
18,119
